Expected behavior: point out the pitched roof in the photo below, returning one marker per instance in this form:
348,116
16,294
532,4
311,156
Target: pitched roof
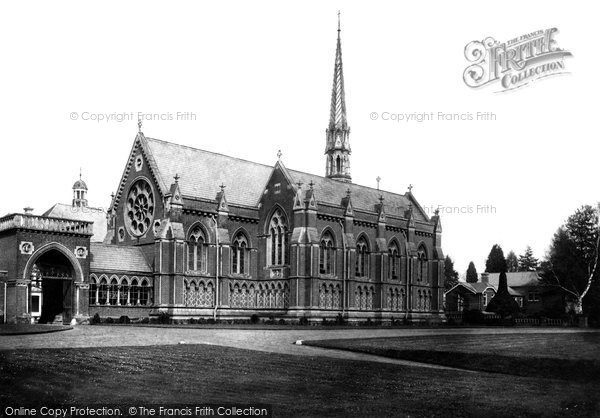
107,257
77,213
479,288
516,279
203,171
363,197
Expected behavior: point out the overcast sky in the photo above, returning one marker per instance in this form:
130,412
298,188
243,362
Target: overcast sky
257,76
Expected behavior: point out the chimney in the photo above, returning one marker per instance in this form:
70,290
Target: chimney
485,278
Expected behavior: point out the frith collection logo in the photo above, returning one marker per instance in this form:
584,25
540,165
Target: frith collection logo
515,63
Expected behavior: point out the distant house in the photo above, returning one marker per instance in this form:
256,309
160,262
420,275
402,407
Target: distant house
525,287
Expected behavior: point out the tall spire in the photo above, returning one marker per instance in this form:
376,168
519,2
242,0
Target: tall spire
338,133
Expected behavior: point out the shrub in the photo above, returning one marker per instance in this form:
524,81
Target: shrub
369,322
254,319
324,322
303,321
211,321
145,320
281,321
95,319
124,319
339,320
109,320
193,321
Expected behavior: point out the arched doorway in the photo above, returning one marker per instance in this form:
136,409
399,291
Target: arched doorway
51,288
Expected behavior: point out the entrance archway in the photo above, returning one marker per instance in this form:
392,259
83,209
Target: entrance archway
51,288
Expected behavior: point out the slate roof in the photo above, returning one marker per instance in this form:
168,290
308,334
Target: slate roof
516,279
479,287
107,257
95,215
203,171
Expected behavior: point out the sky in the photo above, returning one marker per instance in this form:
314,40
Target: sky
250,78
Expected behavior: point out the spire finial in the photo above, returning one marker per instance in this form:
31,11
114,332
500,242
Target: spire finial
222,186
79,173
410,187
348,192
279,154
139,124
436,212
339,26
311,184
381,198
176,177
378,180
299,183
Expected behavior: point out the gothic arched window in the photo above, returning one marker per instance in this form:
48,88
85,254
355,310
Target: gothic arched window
197,249
124,292
93,294
103,292
362,258
326,254
277,243
422,264
394,261
113,292
239,254
338,164
134,297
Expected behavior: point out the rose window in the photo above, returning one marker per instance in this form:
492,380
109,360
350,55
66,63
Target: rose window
139,211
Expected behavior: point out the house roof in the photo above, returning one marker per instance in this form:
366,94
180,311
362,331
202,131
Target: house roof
480,287
516,279
107,257
77,213
201,172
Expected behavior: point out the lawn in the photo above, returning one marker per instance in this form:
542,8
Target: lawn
294,385
573,357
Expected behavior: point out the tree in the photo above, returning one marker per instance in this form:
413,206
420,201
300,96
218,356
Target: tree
450,275
512,264
572,260
527,262
496,263
471,273
503,303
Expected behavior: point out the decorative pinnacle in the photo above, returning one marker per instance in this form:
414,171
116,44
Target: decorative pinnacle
381,199
378,180
139,124
410,187
311,184
348,192
339,26
299,184
176,177
279,154
436,212
222,186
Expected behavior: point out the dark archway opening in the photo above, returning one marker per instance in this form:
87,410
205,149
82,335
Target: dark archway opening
51,288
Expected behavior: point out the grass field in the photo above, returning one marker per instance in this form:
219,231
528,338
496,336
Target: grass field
294,385
573,357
